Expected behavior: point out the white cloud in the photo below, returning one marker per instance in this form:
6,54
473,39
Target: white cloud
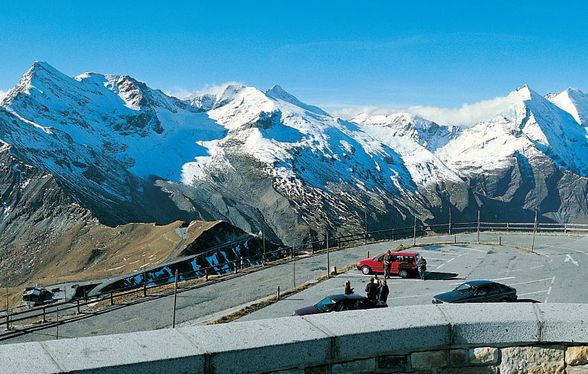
466,115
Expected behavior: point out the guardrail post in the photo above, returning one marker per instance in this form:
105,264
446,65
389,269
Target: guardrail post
534,232
175,299
144,284
78,305
449,222
499,240
339,242
455,239
565,228
328,262
478,226
111,299
263,243
292,253
366,225
44,318
206,274
414,232
7,320
507,227
294,273
278,296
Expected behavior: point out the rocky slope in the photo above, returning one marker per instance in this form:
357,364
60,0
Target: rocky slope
111,148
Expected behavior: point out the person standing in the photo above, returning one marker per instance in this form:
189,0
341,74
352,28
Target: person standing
371,290
422,267
387,263
384,291
348,289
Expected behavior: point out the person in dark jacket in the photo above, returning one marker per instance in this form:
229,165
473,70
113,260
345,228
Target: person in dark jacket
422,267
371,290
387,262
384,291
348,289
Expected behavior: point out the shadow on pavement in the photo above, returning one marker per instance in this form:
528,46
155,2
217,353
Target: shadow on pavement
527,301
434,275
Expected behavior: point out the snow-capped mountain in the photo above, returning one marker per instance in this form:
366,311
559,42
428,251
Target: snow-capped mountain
573,101
266,161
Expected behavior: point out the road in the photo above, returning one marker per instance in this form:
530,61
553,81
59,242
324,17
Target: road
555,273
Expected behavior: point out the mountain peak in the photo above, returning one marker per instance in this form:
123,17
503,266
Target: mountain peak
278,93
40,77
573,101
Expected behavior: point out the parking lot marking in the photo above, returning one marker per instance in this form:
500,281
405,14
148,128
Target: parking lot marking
500,279
533,293
525,269
550,287
533,281
566,248
411,296
445,263
494,280
569,258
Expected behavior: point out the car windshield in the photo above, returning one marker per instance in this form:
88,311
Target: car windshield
464,288
326,304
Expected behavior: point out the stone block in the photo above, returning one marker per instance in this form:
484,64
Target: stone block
140,352
533,360
577,369
484,356
564,322
385,331
493,323
26,358
319,369
357,366
428,360
289,371
458,357
391,363
261,346
472,370
577,355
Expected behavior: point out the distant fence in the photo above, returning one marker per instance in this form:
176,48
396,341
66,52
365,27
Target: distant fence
83,306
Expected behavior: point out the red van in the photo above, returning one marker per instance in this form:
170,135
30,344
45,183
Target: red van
403,264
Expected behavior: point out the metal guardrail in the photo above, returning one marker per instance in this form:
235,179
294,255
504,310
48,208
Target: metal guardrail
39,316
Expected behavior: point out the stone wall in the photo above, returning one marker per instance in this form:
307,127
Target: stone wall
432,339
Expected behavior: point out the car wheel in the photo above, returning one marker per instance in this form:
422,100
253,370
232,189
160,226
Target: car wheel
366,270
403,273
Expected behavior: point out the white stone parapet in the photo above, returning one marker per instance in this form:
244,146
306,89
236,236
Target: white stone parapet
444,338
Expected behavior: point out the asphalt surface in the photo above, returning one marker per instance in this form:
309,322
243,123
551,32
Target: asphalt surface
556,272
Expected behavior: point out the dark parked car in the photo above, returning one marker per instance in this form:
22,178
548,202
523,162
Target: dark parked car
477,291
339,303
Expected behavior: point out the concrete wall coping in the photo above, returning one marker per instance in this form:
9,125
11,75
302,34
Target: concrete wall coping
297,342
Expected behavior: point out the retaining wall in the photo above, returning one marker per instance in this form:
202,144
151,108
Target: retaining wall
476,338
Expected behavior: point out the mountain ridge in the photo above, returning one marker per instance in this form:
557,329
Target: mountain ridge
266,161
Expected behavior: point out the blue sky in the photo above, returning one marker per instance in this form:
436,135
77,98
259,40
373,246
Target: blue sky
329,53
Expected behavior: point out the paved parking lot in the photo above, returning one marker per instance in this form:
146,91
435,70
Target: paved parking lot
556,272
